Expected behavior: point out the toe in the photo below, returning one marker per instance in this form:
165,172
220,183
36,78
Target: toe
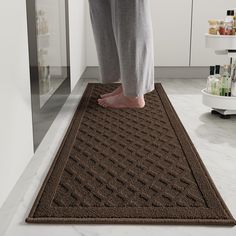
100,100
100,103
104,103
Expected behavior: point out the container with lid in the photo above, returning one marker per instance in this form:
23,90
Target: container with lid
213,27
221,27
229,20
234,25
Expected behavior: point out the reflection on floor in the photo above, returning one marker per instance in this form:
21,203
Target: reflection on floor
214,138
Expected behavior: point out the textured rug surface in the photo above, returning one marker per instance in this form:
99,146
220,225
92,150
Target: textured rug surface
128,166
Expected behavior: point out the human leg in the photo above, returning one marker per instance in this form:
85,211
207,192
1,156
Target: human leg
101,21
131,20
132,27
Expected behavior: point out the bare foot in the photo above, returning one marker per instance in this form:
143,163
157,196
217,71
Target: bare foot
115,92
121,101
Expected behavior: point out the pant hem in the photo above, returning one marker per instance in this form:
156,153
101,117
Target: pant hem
109,82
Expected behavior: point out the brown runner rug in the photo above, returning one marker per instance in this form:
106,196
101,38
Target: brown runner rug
128,166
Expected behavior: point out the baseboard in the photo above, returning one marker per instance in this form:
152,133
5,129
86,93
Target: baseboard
161,72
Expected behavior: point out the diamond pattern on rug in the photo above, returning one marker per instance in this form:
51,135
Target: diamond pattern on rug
128,166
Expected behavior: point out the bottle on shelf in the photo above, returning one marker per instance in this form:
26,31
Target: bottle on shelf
42,22
44,25
233,81
229,19
224,91
229,81
216,81
234,26
210,78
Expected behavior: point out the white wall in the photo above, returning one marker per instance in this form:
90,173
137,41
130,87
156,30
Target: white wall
16,135
77,10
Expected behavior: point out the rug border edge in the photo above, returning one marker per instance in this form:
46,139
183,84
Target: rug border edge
210,180
83,100
133,221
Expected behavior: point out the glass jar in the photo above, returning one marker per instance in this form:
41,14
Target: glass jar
213,28
221,27
229,22
234,25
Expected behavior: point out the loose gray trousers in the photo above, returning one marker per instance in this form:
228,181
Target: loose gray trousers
123,37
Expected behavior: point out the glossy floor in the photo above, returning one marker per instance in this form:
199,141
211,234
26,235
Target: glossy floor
214,138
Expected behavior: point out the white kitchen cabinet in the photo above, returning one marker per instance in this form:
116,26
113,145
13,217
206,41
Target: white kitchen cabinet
203,11
172,28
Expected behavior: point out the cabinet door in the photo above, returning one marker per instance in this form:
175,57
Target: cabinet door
203,11
172,26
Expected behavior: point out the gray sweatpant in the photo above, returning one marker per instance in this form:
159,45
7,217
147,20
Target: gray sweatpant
124,41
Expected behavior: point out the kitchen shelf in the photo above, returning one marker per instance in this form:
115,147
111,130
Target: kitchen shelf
223,45
219,102
220,42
